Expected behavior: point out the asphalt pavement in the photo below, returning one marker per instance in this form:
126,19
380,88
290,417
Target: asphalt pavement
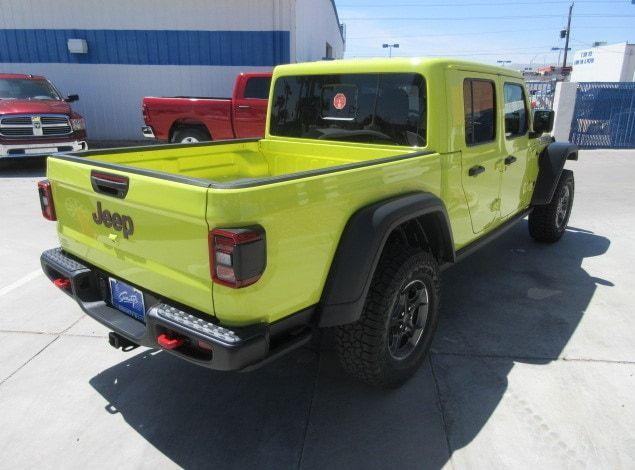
532,365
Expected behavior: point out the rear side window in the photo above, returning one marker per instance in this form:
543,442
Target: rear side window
258,88
516,122
480,111
388,108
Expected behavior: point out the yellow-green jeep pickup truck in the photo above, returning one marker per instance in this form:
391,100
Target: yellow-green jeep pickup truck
372,177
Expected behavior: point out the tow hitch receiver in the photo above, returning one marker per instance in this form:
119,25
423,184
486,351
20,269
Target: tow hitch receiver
62,282
168,342
117,341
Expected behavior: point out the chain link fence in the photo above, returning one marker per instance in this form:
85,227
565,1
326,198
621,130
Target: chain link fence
604,116
541,94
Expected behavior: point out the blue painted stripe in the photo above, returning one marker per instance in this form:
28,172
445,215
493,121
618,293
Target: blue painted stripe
146,47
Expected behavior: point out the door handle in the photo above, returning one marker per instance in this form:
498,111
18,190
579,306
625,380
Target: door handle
110,184
476,170
244,106
509,160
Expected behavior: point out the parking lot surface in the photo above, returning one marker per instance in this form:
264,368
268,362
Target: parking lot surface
533,365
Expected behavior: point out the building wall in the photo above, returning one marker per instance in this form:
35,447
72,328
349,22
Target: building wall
317,28
611,63
628,71
154,48
203,15
110,95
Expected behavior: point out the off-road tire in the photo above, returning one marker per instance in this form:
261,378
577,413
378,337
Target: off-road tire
190,133
363,346
548,223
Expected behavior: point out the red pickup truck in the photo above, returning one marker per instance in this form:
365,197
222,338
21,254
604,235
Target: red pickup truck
187,119
35,118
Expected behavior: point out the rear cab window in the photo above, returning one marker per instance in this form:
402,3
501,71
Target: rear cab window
258,88
377,108
479,101
516,113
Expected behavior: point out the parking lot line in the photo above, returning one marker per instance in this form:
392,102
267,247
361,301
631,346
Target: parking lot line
20,282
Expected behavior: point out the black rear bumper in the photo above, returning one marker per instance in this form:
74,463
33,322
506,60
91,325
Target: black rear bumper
224,348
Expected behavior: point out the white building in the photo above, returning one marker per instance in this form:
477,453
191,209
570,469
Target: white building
606,63
136,48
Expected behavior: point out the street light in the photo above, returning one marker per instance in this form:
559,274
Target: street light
503,62
389,47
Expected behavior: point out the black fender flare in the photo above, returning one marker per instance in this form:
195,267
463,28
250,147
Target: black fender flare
361,246
550,165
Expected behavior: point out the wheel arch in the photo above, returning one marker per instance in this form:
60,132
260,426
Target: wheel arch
550,165
419,217
187,124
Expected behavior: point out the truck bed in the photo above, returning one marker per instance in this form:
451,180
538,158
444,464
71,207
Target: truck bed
301,193
238,163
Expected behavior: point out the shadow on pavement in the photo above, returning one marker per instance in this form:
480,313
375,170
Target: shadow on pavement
515,300
205,419
22,167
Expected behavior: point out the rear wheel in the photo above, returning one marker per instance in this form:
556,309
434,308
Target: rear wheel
190,135
386,346
547,223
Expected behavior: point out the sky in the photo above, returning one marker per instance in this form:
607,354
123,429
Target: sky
522,31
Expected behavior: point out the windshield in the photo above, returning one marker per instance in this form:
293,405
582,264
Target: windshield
388,108
27,89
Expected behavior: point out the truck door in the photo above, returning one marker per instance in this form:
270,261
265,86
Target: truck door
481,149
250,107
515,186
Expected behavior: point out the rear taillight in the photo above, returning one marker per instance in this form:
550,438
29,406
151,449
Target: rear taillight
46,199
144,111
237,256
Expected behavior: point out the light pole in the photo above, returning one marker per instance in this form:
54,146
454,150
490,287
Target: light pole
503,62
389,47
560,49
566,43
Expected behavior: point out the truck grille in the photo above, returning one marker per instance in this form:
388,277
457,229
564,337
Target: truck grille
35,126
17,121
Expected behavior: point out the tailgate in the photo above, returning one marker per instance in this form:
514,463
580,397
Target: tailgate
157,237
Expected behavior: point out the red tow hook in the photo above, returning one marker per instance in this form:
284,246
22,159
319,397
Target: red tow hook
169,343
62,283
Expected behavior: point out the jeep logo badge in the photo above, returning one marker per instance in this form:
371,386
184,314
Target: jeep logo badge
121,223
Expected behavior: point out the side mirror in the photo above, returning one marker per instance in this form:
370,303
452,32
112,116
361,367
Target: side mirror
72,98
543,121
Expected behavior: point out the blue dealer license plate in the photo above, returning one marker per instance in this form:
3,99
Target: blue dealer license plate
127,299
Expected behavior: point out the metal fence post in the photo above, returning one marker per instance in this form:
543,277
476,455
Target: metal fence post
564,105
